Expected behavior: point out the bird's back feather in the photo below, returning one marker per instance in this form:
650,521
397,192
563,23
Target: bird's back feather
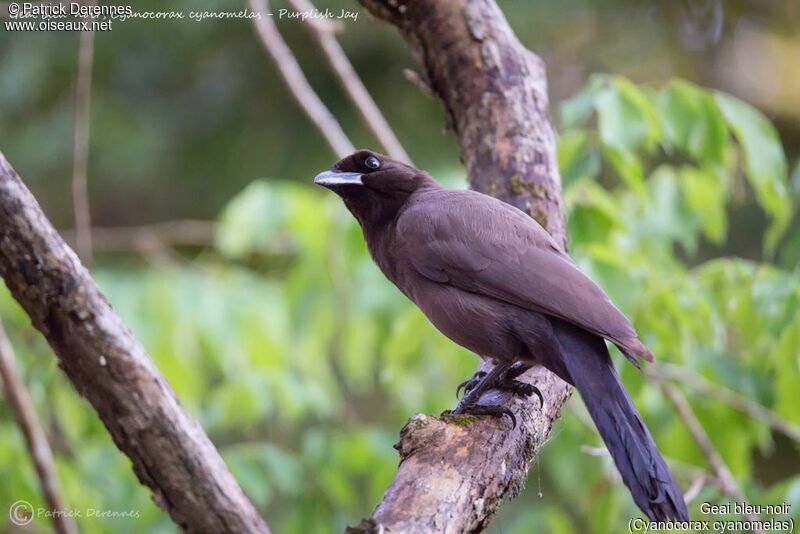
477,243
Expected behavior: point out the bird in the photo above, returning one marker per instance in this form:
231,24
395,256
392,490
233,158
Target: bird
491,279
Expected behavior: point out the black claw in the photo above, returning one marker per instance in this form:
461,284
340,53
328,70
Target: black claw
523,390
469,384
539,394
519,388
493,410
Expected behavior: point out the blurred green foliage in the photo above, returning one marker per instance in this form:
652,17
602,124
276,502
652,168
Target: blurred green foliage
302,362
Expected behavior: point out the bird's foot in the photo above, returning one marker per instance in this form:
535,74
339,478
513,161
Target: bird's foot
505,381
495,410
521,389
469,384
503,377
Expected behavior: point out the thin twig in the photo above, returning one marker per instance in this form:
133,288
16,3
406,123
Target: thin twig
415,78
323,34
723,474
20,401
736,400
177,233
699,475
695,488
296,80
80,193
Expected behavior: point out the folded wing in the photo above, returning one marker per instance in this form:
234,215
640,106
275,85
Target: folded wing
480,244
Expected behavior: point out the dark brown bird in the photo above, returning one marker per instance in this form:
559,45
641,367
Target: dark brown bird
494,281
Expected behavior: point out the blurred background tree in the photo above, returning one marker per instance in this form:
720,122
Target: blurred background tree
299,359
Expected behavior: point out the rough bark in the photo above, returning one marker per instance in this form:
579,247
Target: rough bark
169,451
455,470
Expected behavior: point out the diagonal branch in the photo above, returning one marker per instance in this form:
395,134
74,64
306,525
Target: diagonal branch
35,438
723,475
456,470
296,81
729,397
323,33
169,451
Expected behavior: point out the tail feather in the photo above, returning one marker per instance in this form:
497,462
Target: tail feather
628,441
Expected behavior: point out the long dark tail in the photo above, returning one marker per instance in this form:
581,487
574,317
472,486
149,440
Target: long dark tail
643,470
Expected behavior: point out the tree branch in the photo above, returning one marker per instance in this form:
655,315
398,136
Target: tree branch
323,33
35,438
736,400
80,156
169,451
455,470
177,233
296,81
724,476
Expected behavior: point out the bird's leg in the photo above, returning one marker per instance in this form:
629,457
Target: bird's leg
516,370
469,384
505,382
483,382
469,404
509,382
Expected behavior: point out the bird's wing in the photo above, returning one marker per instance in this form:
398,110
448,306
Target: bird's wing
479,244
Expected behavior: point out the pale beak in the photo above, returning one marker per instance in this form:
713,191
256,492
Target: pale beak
329,178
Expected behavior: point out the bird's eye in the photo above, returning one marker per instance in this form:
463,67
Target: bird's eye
372,162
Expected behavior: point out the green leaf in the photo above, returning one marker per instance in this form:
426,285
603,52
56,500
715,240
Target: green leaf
576,110
646,108
787,365
627,166
570,146
626,118
577,158
705,196
592,212
665,217
795,179
678,107
692,122
271,217
250,216
764,159
790,250
588,193
619,122
708,140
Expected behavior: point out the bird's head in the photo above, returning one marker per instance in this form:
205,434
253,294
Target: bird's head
374,187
